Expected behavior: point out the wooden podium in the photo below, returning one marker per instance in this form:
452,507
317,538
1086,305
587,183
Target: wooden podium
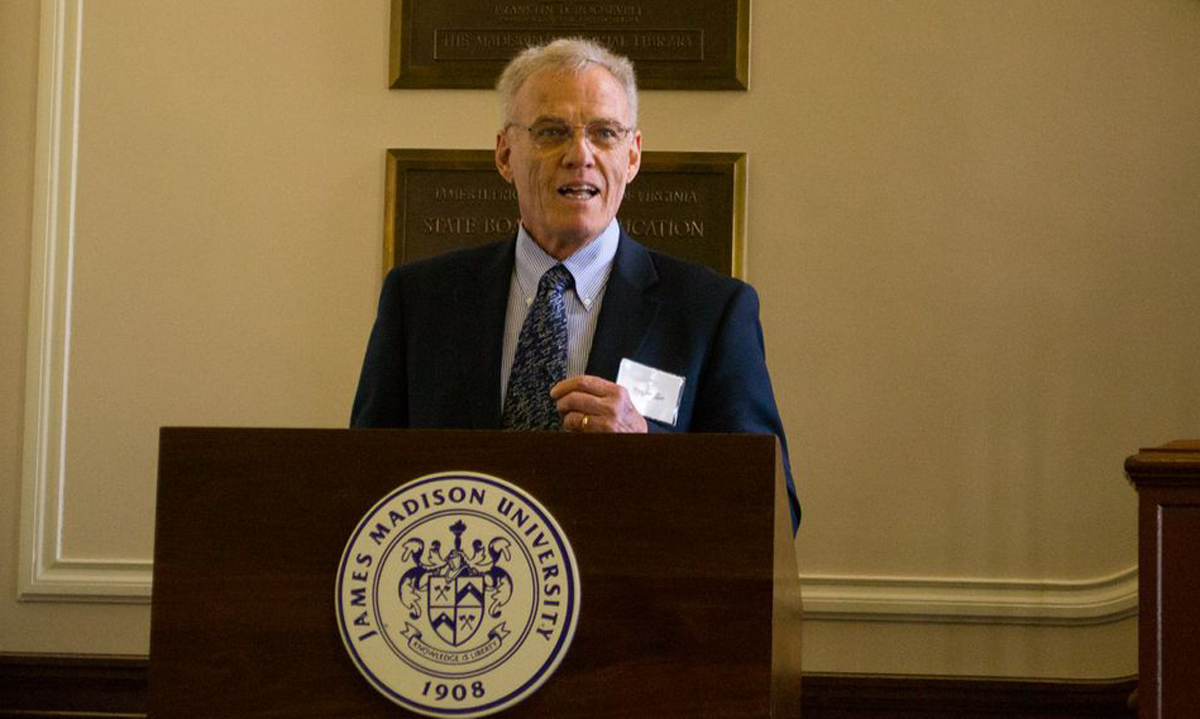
690,600
1167,479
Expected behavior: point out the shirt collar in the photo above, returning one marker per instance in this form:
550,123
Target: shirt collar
589,266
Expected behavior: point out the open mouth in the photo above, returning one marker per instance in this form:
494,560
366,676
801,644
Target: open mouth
581,191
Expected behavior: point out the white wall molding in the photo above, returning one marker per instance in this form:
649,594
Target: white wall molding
978,601
45,572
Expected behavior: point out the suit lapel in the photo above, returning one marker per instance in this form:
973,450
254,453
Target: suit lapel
485,326
627,311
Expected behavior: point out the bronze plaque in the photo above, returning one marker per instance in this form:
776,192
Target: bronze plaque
674,45
686,204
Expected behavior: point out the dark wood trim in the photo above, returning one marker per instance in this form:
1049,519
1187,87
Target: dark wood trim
852,696
55,685
40,685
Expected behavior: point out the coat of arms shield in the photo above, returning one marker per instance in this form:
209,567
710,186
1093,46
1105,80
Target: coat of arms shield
455,607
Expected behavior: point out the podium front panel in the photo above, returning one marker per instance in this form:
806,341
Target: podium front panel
675,537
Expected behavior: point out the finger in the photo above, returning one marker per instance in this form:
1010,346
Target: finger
580,422
585,403
593,424
587,384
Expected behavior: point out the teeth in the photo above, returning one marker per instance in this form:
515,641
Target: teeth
579,191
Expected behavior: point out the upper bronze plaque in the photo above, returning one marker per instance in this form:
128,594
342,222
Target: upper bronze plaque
674,45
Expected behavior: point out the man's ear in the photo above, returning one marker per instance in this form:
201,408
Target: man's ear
635,156
503,153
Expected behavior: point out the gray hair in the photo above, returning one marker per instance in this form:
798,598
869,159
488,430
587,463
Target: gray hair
565,55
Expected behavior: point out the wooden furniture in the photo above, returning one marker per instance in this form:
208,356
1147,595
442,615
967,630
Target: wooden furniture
690,599
1167,479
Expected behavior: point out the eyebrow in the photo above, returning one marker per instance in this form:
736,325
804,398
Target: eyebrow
563,120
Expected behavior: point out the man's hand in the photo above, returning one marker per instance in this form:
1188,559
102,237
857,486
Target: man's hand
593,404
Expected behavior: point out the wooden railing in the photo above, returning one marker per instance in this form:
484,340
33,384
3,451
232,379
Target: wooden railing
1167,479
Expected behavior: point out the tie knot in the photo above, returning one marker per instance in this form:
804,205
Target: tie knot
557,279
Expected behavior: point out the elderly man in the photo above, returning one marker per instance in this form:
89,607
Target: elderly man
532,333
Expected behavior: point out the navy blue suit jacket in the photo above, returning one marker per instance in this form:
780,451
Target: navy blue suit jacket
433,360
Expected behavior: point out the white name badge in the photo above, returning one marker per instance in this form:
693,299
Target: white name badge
655,394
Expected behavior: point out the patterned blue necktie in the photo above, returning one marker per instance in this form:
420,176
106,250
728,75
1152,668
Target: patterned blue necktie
541,359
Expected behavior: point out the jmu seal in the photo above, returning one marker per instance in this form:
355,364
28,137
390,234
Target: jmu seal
457,595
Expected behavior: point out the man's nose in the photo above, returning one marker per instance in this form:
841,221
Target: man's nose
579,150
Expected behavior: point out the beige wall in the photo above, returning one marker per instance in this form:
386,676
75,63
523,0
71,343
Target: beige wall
974,227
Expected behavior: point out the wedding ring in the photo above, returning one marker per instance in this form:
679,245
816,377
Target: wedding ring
584,423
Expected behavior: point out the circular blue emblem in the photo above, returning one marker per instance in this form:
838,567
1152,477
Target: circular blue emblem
457,595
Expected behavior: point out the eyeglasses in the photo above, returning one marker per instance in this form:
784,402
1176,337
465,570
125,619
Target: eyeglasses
548,134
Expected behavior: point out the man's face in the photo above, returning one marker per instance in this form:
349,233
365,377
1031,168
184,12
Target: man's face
570,192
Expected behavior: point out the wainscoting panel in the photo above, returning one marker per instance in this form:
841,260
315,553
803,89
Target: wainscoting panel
46,571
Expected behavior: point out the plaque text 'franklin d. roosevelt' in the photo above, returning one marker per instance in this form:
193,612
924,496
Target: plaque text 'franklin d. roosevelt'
652,45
